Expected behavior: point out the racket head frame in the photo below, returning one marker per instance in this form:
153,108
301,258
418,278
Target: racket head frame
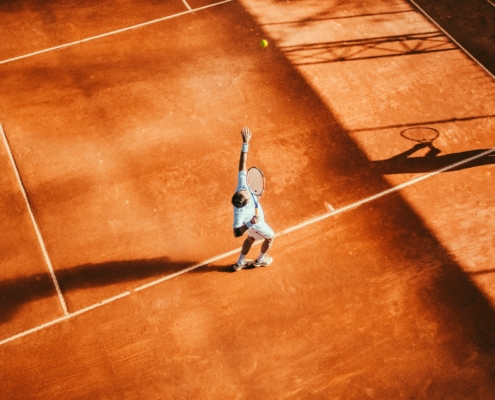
433,134
252,170
256,195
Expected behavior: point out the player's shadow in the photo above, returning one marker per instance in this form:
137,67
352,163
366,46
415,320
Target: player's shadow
14,293
403,163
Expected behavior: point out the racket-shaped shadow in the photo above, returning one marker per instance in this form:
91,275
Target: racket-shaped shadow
14,293
432,160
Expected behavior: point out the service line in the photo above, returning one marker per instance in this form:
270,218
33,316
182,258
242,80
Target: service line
235,251
64,318
103,35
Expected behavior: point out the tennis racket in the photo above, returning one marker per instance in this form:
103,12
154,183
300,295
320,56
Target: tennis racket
420,134
256,184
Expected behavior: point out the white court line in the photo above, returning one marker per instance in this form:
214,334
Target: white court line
33,221
154,21
384,193
329,206
209,261
232,252
491,2
451,38
64,318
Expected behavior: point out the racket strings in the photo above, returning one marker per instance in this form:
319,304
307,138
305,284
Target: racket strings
256,181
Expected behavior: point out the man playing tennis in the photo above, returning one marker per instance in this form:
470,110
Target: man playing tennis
246,219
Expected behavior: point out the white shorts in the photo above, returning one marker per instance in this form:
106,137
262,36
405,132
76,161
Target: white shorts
260,231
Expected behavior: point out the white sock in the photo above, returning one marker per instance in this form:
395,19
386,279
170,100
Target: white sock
260,257
241,259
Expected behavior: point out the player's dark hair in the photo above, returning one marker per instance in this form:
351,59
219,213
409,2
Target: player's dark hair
238,200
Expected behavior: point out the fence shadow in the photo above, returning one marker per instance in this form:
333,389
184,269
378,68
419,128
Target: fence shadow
368,48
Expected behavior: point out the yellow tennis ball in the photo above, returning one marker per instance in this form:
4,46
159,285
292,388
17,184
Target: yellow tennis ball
264,43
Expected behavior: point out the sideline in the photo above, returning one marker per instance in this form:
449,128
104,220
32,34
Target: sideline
33,221
451,38
232,252
154,21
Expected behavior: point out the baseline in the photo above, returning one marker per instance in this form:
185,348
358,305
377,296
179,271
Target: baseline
154,21
235,251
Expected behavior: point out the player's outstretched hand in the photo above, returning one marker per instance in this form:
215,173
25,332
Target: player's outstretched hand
246,134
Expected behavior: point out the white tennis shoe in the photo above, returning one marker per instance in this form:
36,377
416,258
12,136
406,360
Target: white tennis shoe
238,266
267,260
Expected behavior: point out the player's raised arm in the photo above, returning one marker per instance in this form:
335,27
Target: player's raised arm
246,137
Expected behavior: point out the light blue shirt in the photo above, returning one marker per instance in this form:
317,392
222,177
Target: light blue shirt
246,213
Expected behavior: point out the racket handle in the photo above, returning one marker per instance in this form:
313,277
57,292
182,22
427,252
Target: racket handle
256,210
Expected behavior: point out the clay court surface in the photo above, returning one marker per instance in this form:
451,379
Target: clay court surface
118,157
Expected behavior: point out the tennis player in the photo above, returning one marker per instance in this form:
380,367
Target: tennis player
245,218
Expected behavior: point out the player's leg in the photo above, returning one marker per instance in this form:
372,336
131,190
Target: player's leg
246,246
267,243
266,233
263,259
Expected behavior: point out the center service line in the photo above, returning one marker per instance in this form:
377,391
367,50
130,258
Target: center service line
187,5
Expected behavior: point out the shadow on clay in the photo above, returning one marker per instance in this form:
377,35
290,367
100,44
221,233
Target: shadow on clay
324,17
402,163
470,23
368,48
431,160
449,294
16,292
482,272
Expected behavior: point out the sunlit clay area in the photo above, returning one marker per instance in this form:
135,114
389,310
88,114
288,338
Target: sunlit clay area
247,199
